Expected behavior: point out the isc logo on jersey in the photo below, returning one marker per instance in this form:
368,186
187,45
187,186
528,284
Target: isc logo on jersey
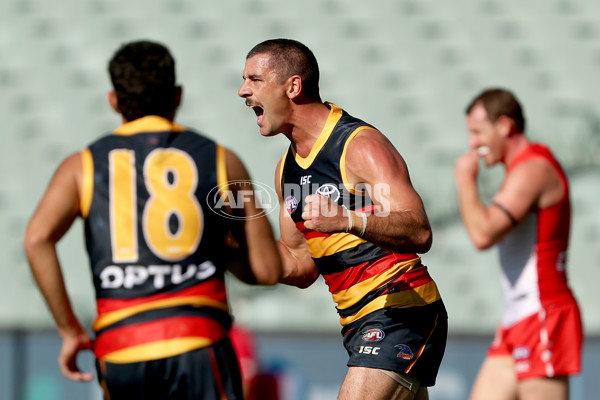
369,350
373,335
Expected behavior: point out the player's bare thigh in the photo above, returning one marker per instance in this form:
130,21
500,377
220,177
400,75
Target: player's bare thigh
544,388
369,383
496,380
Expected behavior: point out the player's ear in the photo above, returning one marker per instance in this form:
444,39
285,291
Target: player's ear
505,125
111,96
295,86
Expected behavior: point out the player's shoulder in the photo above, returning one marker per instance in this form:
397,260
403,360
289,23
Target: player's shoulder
535,175
74,159
369,134
71,166
535,165
370,141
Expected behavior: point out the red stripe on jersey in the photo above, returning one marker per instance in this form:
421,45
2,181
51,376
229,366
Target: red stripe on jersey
214,365
361,272
153,331
309,233
412,279
368,209
214,289
351,276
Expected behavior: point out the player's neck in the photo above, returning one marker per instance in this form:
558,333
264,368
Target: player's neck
515,144
308,121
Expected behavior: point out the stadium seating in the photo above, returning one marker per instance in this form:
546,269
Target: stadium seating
408,67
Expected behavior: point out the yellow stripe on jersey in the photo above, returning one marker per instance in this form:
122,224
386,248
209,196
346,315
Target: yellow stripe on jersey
87,182
347,184
326,246
222,178
348,297
156,350
150,123
334,116
419,296
114,316
281,165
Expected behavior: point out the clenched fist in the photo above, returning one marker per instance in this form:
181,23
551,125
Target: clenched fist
324,215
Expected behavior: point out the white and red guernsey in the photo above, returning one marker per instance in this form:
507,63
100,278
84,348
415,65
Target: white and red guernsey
533,256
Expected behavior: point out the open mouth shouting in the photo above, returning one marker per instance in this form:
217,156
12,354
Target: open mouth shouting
258,110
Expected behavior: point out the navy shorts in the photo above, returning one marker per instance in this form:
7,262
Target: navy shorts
209,373
409,341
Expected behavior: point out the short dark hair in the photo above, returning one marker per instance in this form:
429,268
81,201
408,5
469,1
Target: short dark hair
498,102
290,57
143,77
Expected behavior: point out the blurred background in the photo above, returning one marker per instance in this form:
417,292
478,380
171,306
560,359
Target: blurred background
409,67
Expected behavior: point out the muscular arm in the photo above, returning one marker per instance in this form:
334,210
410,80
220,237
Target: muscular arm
256,259
401,224
299,268
53,217
530,184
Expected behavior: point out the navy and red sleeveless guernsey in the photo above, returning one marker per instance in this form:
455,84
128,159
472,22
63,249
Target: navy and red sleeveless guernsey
154,248
361,276
533,256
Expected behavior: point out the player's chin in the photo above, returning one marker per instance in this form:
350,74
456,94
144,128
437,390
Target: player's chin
267,132
263,131
489,160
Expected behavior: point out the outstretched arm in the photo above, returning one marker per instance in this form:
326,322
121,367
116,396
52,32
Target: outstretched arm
400,223
53,217
254,257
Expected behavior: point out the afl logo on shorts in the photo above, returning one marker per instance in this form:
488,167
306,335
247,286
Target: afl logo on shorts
373,335
291,204
329,190
404,352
